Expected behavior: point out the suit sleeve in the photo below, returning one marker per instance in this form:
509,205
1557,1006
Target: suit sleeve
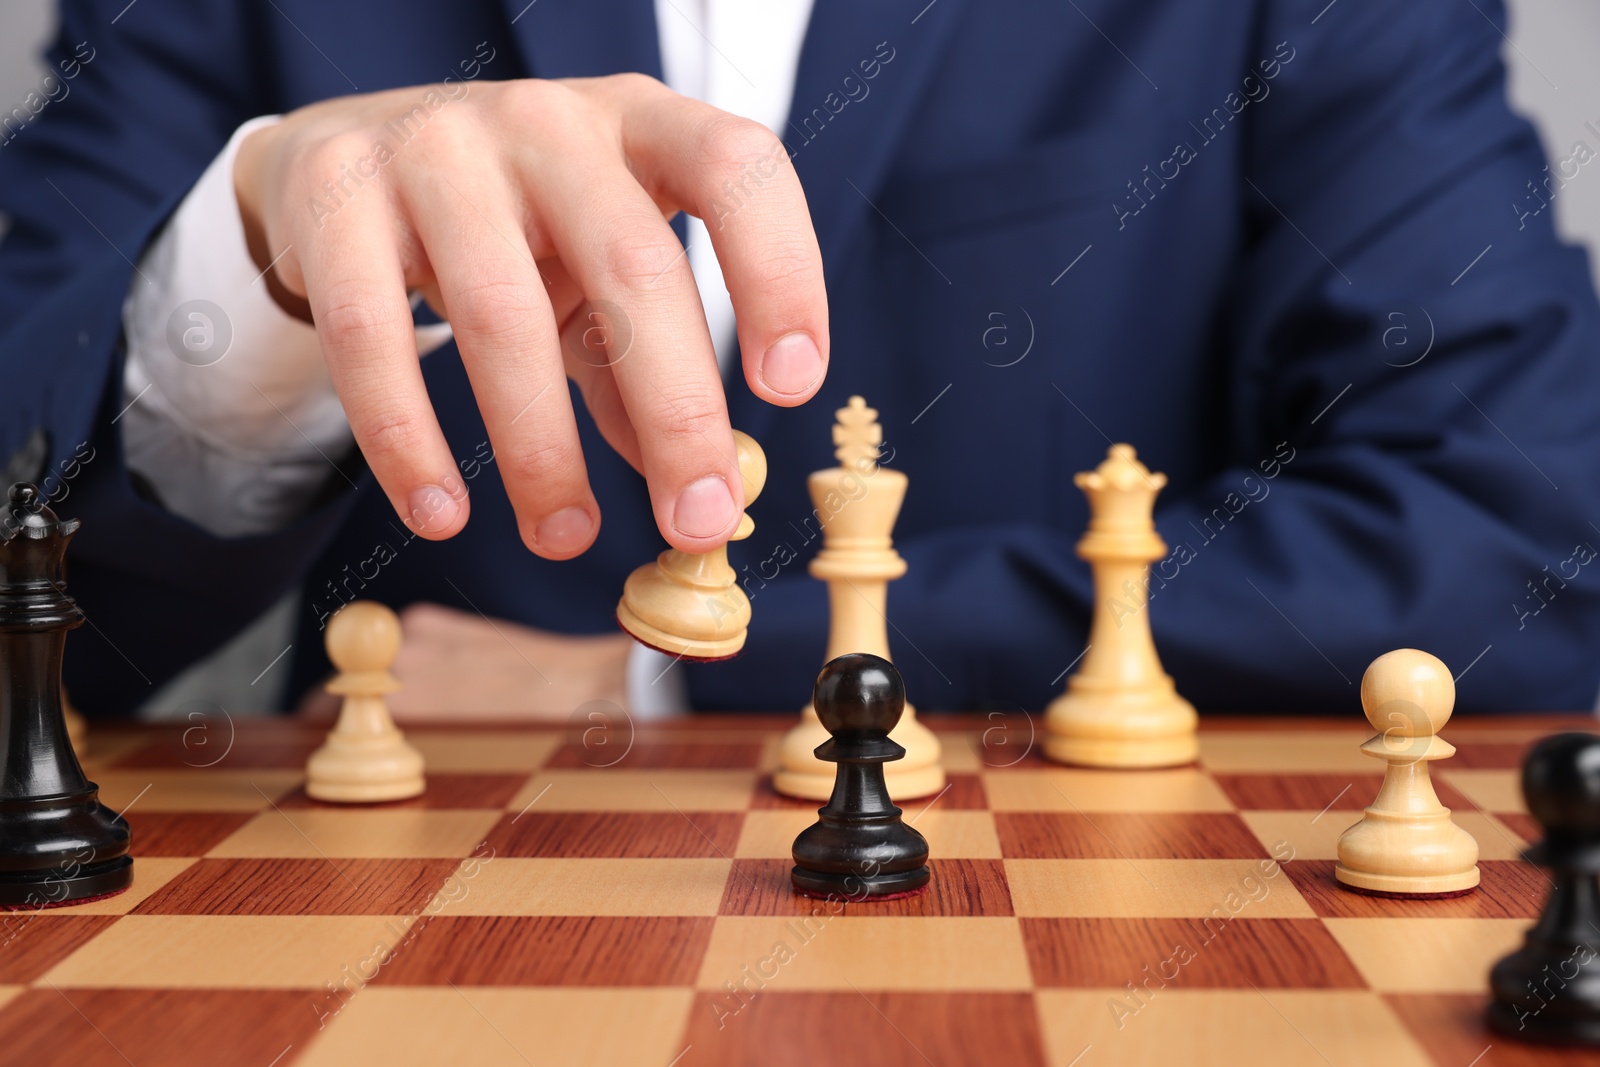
139,101
1412,421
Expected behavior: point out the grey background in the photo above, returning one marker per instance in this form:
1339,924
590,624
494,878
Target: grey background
1555,81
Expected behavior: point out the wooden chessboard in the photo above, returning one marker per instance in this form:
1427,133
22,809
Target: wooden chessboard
580,914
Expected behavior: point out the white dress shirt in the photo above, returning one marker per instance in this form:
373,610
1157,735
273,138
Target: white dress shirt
237,432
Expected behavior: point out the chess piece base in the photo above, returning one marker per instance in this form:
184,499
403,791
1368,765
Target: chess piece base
1553,1031
1088,726
1127,754
800,774
1544,992
1407,854
49,889
672,645
364,772
58,850
1407,885
857,886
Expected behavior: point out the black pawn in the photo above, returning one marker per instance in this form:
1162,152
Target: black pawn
58,843
858,848
1549,989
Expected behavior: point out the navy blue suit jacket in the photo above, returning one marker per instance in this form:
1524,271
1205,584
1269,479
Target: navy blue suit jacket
1293,258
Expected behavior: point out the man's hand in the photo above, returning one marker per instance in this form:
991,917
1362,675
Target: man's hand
456,665
533,215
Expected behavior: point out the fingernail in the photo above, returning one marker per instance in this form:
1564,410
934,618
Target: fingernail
792,365
705,509
564,531
432,509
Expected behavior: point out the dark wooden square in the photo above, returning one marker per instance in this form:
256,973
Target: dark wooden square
1319,792
618,834
1509,889
1187,954
551,950
783,1029
685,755
32,942
182,833
1452,1029
959,887
1125,835
150,1027
301,887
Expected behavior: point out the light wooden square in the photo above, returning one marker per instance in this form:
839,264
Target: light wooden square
485,752
951,834
1184,789
233,951
208,790
8,993
150,873
865,953
1216,1028
1308,752
1157,888
512,886
499,1027
396,833
1427,955
1496,790
961,755
661,790
1319,840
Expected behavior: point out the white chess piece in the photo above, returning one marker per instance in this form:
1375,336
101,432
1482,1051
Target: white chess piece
1120,708
365,758
857,503
1406,841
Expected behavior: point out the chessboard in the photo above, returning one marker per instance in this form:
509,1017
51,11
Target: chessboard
617,895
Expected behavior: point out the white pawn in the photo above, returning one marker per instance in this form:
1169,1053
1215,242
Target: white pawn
365,759
1406,842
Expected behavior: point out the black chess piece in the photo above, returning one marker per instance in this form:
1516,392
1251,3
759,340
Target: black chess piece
58,843
858,848
1549,989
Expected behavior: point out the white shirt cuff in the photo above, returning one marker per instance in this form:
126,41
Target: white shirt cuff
229,411
655,683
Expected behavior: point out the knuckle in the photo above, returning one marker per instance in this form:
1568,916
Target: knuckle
789,267
537,98
639,256
498,308
732,143
690,421
389,434
355,320
554,463
633,82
